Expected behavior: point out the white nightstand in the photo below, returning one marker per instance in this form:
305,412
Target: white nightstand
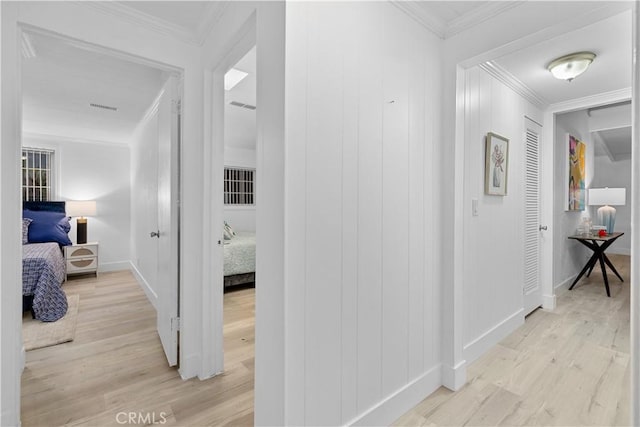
81,258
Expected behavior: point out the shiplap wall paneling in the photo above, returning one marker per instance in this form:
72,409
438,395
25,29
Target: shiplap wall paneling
492,286
360,101
370,121
395,202
324,220
350,224
417,78
296,208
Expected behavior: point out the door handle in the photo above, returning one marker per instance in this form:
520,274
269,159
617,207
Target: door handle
155,234
542,227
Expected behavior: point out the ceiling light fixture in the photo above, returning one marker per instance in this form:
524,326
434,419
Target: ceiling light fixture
570,66
233,77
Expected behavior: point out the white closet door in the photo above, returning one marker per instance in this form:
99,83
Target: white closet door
531,288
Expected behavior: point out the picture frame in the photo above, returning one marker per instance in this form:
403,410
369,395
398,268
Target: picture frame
575,187
496,165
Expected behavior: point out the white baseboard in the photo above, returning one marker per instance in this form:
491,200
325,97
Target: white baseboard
563,286
549,302
484,342
114,266
454,377
149,292
401,401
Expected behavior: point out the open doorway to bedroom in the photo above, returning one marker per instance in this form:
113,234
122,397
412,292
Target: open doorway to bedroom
101,140
239,201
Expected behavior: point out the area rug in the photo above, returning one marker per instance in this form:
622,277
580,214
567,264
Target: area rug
37,334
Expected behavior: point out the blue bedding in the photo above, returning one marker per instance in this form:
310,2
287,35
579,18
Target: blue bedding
43,270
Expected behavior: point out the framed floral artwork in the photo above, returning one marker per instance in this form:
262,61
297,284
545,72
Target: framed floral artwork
496,165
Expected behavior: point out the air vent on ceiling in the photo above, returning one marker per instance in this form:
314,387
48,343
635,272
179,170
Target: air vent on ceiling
104,107
241,105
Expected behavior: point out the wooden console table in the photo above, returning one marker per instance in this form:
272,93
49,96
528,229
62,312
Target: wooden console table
591,242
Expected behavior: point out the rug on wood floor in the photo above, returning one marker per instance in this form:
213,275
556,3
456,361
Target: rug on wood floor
37,334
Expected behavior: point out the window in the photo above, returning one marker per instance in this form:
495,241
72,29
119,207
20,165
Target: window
239,186
37,174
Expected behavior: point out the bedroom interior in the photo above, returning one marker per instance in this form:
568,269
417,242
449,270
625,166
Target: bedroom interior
341,342
240,206
94,140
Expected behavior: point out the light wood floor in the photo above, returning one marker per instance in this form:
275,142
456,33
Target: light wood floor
569,367
116,365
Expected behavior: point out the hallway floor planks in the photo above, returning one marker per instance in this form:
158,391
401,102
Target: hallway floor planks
567,367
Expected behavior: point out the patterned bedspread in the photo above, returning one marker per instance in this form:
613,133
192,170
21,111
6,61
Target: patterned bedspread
43,269
240,254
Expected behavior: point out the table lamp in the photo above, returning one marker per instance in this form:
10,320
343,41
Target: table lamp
81,209
606,197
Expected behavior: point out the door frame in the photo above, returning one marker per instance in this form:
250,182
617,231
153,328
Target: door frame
263,25
548,179
213,296
12,137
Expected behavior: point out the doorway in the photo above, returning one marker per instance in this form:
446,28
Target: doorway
116,147
239,213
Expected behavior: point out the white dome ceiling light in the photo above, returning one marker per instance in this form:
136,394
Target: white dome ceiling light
570,66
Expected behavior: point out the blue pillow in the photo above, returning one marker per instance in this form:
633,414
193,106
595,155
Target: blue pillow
48,227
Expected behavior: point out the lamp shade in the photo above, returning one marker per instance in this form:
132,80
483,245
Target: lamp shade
607,196
81,208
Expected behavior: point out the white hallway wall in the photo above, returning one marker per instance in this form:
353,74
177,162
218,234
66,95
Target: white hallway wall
493,240
363,306
570,255
87,170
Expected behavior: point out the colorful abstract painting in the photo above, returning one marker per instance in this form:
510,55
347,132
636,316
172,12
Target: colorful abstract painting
577,161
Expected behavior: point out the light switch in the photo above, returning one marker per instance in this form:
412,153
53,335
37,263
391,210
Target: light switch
474,207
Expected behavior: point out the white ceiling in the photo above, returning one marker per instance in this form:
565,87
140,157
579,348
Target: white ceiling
64,77
73,76
610,39
240,123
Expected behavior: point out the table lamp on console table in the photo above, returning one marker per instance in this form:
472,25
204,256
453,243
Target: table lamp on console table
81,209
607,198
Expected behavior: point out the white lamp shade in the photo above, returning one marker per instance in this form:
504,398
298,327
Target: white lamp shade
607,196
81,208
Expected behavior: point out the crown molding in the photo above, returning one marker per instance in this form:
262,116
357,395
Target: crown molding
590,101
428,20
512,82
197,36
212,16
442,29
478,15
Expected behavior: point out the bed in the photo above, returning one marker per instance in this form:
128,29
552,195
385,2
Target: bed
240,259
43,266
